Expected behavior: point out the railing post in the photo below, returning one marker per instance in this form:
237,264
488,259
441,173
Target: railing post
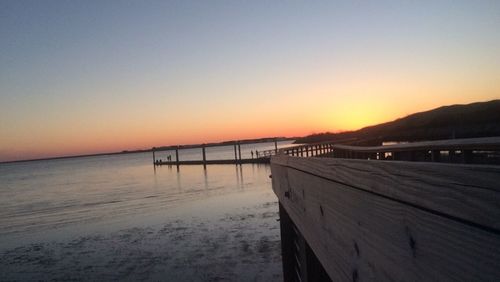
436,155
451,155
275,146
467,156
413,156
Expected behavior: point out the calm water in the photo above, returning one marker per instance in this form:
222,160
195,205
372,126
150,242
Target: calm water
115,217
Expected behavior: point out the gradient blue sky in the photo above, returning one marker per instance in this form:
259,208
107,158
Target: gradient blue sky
94,76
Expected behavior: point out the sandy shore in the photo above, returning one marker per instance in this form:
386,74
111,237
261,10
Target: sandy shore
233,242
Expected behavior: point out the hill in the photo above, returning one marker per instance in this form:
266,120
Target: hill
480,119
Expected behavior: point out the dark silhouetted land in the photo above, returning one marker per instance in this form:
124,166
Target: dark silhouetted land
480,119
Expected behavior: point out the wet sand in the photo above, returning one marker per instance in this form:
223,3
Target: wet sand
237,241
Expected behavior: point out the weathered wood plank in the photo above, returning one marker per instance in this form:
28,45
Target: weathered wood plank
362,236
467,192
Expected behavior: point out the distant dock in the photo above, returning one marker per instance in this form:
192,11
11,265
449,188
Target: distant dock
261,157
215,162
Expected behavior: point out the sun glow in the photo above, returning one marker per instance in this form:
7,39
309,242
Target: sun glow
165,77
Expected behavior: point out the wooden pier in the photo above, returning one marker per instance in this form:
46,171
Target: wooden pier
426,211
317,149
213,162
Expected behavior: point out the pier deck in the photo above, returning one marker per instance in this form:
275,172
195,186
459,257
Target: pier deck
412,212
215,162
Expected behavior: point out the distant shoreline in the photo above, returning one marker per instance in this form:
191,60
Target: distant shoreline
162,148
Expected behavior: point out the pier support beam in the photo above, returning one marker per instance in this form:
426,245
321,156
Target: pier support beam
239,151
177,156
287,245
236,154
204,156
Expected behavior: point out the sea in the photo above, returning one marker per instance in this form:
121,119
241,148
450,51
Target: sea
118,218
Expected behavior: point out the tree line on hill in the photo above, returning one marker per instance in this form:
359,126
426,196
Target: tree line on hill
481,119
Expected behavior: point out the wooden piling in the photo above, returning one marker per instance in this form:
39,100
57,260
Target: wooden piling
239,151
236,154
154,158
177,156
275,146
204,156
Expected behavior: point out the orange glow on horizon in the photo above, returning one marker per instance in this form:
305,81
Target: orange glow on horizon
348,114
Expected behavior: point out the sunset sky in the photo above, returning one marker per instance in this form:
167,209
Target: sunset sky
80,77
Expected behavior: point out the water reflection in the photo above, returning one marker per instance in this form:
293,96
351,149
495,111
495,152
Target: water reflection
205,178
54,194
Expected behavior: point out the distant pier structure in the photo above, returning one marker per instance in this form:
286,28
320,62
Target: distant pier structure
261,157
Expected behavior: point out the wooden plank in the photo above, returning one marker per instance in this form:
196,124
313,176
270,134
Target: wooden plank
467,192
361,236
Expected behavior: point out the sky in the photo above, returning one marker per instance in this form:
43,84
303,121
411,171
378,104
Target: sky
80,77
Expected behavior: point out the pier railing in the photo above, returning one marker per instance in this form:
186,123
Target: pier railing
470,150
303,150
391,213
